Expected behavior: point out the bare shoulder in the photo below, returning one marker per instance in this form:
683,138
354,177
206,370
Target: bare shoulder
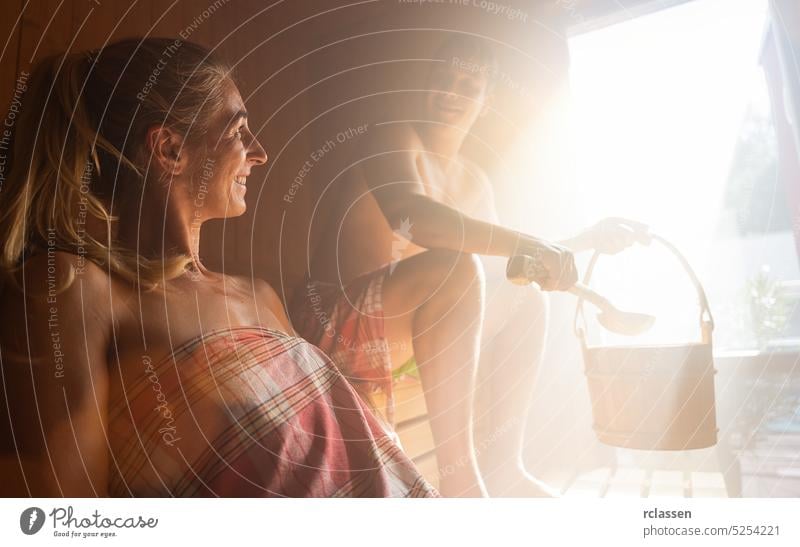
254,286
267,299
274,302
58,276
266,292
55,283
64,300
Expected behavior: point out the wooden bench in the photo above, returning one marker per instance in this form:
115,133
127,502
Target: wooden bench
411,424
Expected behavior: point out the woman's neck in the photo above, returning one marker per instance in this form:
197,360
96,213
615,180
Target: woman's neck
443,142
160,226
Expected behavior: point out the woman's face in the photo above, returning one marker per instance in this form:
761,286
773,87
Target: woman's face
219,173
458,92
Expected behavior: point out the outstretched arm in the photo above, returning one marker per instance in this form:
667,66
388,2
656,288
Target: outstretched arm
392,176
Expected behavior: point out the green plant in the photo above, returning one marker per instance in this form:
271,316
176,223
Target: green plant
769,309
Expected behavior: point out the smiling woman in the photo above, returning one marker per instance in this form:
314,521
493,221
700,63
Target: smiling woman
134,369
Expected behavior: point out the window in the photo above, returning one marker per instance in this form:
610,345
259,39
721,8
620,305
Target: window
672,126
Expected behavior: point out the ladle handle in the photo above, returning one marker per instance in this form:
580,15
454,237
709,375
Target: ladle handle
523,270
582,291
706,319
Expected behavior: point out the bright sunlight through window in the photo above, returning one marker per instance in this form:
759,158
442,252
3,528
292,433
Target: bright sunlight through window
672,126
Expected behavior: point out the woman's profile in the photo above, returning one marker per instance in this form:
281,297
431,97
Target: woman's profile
128,367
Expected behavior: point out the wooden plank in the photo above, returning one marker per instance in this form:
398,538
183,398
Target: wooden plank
417,439
590,485
560,479
708,485
635,482
666,484
648,479
10,33
409,401
46,30
93,23
627,482
411,420
191,20
687,483
107,22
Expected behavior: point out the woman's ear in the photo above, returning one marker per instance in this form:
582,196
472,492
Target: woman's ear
167,149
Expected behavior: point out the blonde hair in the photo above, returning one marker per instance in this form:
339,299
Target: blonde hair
78,142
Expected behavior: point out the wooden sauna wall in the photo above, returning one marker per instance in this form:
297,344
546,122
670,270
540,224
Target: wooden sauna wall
308,69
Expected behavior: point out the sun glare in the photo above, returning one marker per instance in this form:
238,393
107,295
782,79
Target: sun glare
657,107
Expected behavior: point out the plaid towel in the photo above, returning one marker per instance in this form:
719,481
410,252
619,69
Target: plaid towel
347,324
251,412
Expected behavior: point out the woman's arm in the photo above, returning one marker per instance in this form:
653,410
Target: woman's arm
392,176
55,375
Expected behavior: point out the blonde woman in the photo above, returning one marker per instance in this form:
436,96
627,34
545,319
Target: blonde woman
128,368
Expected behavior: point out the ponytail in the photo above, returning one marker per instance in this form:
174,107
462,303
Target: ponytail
50,155
53,197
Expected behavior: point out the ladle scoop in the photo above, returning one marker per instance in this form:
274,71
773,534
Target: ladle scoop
523,270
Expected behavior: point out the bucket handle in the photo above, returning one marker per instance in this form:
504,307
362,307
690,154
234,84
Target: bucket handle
706,319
